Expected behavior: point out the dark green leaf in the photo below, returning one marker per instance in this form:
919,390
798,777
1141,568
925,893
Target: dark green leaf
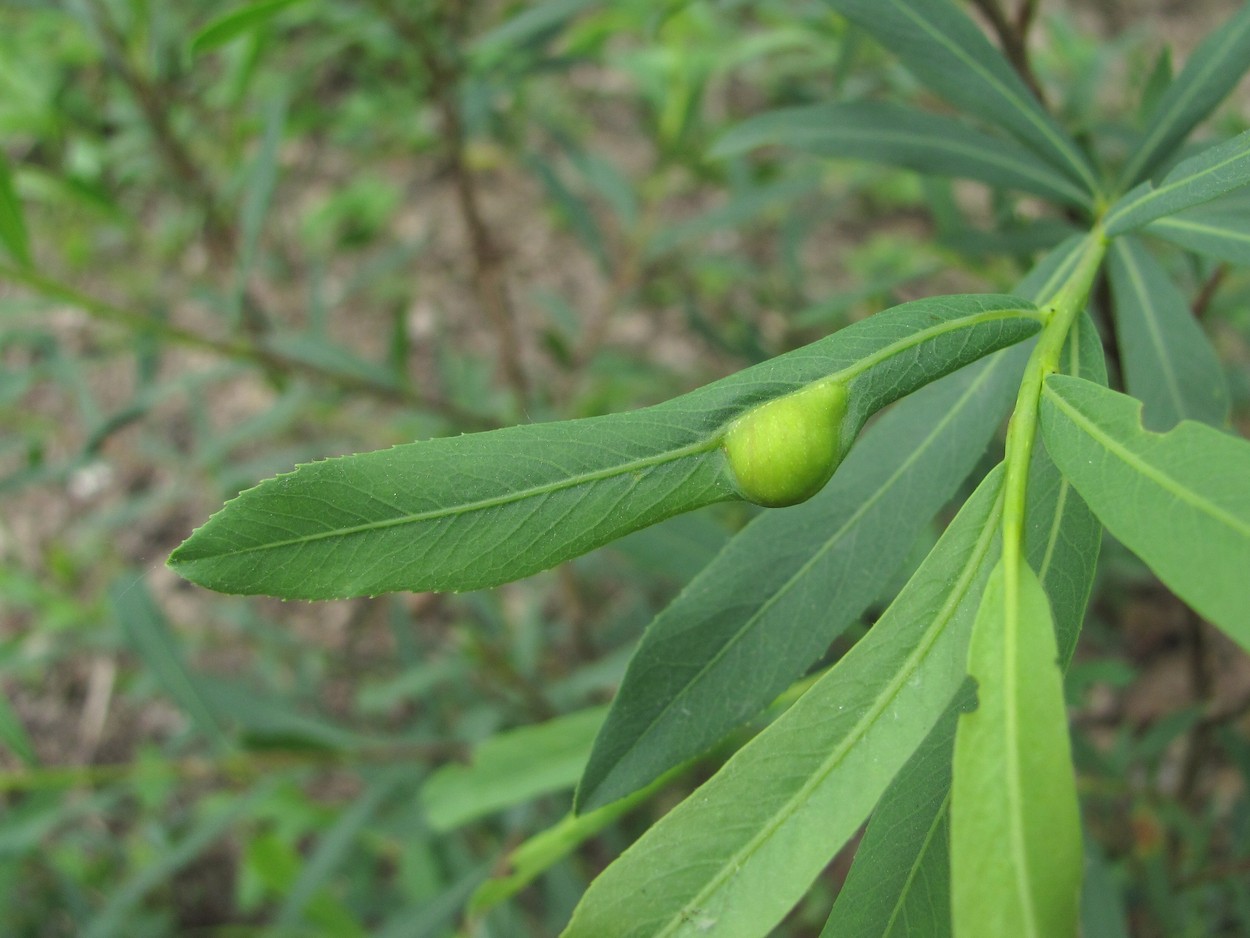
903,136
1201,178
479,510
738,853
699,670
1178,500
1211,72
1168,362
951,56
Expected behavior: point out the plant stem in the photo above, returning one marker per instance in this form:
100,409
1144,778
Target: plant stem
1060,310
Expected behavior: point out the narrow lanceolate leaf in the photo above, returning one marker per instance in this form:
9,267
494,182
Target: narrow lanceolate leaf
1211,72
742,631
12,222
1168,362
906,137
1178,500
899,883
1220,233
734,857
1199,179
951,56
1015,825
482,509
149,634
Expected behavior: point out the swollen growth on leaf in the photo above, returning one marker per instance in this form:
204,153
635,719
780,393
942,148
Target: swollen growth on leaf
783,452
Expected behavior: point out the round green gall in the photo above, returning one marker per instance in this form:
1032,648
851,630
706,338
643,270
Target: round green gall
783,452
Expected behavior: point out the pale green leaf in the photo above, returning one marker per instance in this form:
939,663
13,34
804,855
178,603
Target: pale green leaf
1214,171
1178,500
1211,72
511,768
481,509
1168,361
734,857
901,136
936,41
1015,823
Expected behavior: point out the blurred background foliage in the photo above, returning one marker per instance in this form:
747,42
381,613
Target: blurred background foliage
240,236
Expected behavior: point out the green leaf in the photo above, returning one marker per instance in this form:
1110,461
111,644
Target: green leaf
1015,823
478,510
237,22
149,633
899,883
1178,500
952,57
739,852
1211,72
1168,362
903,136
1201,178
12,221
510,768
13,734
1220,233
697,673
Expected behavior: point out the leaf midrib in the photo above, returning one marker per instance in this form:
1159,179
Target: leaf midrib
1150,195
